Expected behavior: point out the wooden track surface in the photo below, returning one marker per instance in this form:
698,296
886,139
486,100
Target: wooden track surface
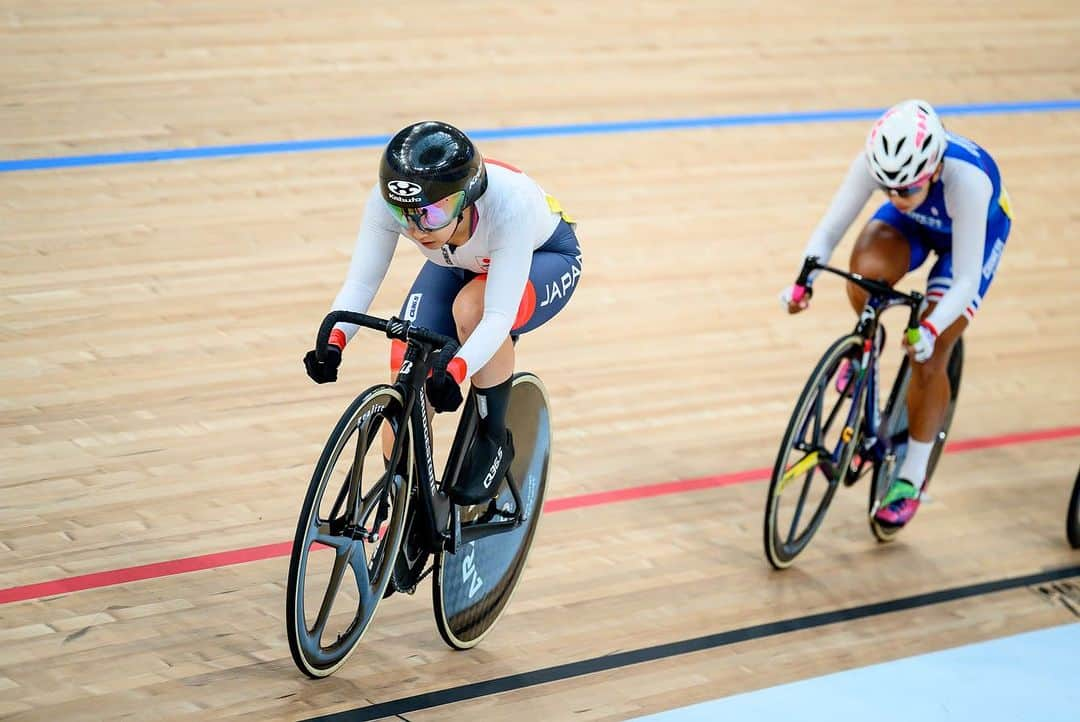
153,316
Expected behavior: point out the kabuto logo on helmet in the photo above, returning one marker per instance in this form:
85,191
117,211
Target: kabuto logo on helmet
428,161
405,189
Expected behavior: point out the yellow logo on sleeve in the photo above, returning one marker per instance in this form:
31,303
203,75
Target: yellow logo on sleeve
1005,203
556,207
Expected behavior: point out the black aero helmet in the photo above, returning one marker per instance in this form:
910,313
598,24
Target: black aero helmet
429,161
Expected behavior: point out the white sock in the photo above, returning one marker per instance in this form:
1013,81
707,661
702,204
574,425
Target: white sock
914,467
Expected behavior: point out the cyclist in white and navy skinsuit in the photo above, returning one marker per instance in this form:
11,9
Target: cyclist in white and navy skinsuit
945,195
520,246
502,259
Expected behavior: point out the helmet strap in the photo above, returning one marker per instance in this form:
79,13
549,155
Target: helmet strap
457,223
474,219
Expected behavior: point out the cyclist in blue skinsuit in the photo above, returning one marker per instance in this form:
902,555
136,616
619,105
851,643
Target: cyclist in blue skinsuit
944,195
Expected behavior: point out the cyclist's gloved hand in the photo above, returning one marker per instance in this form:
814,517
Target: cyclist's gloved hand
796,298
447,375
921,342
323,371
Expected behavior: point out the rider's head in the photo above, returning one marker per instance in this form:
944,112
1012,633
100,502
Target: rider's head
904,148
430,173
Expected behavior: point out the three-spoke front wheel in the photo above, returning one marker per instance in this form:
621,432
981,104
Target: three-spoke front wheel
814,455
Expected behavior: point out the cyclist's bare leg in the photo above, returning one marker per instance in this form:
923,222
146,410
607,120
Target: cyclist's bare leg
881,253
928,393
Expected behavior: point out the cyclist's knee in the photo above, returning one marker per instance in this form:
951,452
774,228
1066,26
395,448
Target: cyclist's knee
924,373
469,307
881,253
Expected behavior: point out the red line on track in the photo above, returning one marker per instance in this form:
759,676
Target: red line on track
280,549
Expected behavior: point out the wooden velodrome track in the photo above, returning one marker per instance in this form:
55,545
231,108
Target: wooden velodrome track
153,317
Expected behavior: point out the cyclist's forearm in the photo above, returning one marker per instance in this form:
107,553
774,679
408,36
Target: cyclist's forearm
375,243
506,280
489,335
353,296
844,208
967,200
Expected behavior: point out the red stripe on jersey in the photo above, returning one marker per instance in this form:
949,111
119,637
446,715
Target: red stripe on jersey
527,306
474,220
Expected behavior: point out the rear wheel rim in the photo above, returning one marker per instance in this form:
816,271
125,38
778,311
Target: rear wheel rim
463,626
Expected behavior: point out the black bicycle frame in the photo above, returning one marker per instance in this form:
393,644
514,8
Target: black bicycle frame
443,517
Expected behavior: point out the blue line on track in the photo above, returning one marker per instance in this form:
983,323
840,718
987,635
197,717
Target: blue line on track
534,131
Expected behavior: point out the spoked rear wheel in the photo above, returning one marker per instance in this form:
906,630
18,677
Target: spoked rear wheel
814,455
357,510
473,586
895,428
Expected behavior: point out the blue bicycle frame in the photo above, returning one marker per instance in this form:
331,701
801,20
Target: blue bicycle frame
865,413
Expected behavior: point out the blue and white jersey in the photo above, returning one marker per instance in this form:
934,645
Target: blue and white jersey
934,211
963,205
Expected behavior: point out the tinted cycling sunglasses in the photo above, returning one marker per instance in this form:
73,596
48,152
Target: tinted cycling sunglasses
906,191
431,217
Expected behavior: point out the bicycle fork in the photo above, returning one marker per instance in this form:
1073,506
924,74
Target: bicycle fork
865,410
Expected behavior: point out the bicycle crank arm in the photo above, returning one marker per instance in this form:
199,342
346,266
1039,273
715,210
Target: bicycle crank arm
472,532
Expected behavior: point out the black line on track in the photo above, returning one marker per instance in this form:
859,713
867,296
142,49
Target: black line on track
403,705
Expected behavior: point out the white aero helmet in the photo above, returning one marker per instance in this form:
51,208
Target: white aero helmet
905,144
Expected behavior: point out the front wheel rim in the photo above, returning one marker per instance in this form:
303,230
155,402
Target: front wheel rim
370,562
817,417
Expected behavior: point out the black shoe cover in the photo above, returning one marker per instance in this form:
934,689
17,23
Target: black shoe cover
482,474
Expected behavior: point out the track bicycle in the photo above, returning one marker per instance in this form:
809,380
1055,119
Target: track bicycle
840,432
386,524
